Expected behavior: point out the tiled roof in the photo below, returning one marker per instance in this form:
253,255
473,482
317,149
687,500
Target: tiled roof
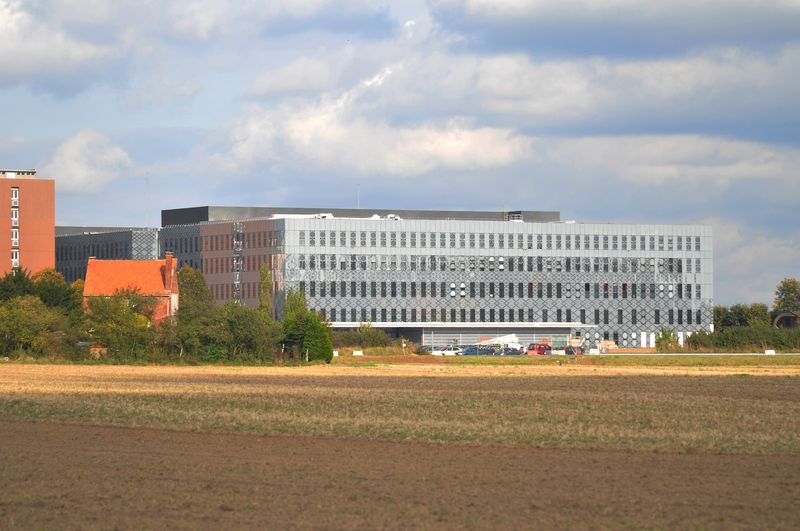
105,277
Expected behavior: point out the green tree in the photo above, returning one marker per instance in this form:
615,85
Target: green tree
15,283
248,333
121,322
758,315
720,317
197,314
787,296
295,317
317,340
49,285
28,325
265,290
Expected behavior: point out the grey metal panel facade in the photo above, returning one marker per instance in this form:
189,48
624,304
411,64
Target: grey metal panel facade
627,280
623,281
73,251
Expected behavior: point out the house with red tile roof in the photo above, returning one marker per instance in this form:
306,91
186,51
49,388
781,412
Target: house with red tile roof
150,278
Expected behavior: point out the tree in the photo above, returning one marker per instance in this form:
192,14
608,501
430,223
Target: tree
265,290
248,333
787,296
15,283
121,322
317,340
758,314
28,325
196,315
49,285
295,317
720,317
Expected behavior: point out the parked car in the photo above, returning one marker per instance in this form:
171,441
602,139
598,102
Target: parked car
573,351
539,349
508,351
445,350
478,350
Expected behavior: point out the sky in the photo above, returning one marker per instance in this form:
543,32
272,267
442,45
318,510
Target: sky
606,110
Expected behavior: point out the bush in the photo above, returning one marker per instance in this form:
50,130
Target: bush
667,341
364,336
317,342
29,326
756,338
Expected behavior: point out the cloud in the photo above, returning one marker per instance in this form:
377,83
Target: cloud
619,27
42,54
749,262
732,92
332,134
86,162
205,20
301,75
678,159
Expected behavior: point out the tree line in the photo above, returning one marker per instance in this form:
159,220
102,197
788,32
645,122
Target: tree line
748,327
42,316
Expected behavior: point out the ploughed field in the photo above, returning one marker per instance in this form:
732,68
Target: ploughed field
394,445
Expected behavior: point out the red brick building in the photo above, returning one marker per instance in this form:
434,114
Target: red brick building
152,278
27,230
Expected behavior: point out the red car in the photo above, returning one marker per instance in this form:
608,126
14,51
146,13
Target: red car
539,349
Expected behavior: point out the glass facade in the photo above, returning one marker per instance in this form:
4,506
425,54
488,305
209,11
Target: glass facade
602,281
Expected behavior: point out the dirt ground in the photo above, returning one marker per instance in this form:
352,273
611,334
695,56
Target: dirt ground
71,476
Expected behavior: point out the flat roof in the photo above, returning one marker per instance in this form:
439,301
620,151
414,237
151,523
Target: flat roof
442,324
193,215
66,230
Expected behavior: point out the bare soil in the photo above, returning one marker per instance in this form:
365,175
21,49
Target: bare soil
57,476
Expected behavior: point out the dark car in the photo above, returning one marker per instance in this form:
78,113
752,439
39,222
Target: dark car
508,351
479,350
573,351
470,350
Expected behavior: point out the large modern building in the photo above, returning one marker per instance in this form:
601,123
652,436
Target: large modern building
457,276
75,245
29,223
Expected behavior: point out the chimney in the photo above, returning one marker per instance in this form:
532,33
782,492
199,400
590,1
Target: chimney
169,263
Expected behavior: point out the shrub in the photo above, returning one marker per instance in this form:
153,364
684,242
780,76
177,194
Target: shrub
317,342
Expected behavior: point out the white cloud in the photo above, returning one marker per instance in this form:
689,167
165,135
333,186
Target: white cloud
86,162
332,134
301,75
201,20
516,90
679,159
32,49
749,262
